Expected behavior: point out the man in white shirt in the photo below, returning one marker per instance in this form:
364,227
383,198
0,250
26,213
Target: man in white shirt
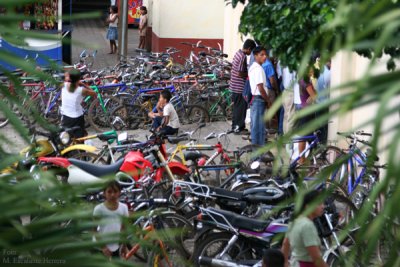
260,99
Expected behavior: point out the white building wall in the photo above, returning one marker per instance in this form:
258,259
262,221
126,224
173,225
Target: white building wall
233,40
188,18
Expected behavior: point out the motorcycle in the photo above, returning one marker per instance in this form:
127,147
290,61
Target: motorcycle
55,143
144,159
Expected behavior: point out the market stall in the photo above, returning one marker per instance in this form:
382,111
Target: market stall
47,18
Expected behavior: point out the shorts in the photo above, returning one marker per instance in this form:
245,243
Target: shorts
68,122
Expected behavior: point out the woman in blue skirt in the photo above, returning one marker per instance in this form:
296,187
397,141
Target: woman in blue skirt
112,33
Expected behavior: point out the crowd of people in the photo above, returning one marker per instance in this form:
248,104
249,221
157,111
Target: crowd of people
258,79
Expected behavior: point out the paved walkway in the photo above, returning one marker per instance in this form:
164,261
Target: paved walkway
91,34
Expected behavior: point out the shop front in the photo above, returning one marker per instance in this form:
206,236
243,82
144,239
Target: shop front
44,17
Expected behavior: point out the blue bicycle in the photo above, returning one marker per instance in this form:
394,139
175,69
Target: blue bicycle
357,172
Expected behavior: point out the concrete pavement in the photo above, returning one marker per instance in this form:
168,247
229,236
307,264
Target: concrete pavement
91,34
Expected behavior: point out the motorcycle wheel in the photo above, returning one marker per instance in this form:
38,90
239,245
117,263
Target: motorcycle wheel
215,243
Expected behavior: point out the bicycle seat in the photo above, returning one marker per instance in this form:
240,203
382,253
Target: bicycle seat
95,169
176,139
203,54
193,155
238,221
138,83
106,137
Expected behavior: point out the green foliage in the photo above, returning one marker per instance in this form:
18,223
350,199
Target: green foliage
288,26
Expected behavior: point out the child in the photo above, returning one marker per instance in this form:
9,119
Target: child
170,124
157,120
302,238
72,95
273,258
111,211
112,33
142,27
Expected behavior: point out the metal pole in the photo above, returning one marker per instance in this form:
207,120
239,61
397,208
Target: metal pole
123,43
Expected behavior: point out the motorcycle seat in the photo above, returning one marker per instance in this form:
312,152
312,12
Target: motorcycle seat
239,221
224,193
267,157
96,169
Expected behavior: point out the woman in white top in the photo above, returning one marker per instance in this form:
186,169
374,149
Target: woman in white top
72,96
112,33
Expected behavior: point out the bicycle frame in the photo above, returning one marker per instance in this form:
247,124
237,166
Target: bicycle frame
356,156
313,144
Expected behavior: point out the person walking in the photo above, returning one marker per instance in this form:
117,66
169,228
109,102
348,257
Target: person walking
260,99
236,85
112,32
302,237
143,27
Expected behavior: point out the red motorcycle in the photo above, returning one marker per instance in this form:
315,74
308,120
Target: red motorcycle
148,158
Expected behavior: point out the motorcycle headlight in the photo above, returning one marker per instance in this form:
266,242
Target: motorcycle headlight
65,138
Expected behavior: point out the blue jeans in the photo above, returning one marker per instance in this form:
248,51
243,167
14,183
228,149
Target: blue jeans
257,110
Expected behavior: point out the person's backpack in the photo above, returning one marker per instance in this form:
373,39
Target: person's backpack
247,95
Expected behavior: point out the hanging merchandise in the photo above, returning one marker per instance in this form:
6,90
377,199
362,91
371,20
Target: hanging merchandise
46,15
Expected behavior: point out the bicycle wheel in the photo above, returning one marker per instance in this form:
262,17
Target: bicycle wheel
182,232
193,114
217,113
344,207
343,255
97,117
128,117
328,155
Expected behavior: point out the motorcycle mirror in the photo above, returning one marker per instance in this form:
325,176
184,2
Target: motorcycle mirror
255,165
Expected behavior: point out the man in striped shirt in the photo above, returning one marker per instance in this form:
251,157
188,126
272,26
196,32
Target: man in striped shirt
236,85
